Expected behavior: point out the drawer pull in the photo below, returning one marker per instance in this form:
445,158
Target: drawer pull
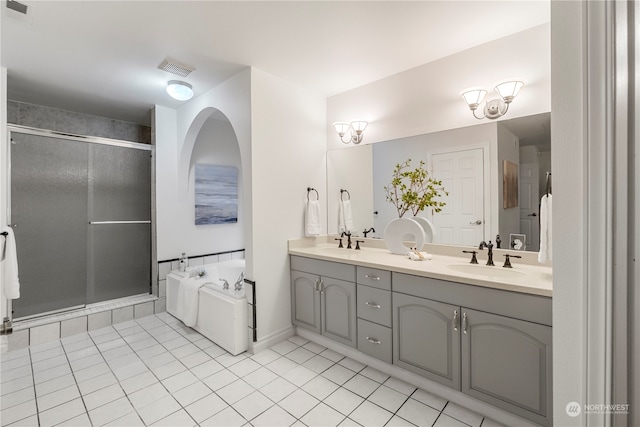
373,340
371,277
372,305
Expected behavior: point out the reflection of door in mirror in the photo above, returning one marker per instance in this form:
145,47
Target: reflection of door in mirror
529,205
461,221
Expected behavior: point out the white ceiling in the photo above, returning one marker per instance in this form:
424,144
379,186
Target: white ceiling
101,57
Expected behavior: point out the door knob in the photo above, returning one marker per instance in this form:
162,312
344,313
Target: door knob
533,214
477,222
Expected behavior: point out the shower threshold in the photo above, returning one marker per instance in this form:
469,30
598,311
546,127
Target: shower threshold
79,311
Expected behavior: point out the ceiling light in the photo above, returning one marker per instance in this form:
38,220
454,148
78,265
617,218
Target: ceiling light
356,127
179,90
493,108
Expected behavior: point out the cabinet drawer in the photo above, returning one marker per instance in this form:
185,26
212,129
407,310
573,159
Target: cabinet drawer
374,305
374,340
335,270
374,277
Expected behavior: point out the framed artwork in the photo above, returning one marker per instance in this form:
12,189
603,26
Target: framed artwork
216,191
509,184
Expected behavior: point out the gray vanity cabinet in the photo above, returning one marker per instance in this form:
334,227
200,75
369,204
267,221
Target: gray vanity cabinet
323,296
507,362
426,338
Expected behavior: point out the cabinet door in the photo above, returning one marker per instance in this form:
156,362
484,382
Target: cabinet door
507,362
426,338
339,310
305,300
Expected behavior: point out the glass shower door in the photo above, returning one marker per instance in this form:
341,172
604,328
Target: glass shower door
49,218
120,222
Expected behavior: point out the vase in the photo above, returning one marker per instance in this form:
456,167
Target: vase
427,226
400,230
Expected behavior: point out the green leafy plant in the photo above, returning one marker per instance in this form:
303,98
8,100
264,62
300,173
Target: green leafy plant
414,190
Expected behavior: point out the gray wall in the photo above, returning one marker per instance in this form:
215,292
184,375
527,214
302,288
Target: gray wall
40,117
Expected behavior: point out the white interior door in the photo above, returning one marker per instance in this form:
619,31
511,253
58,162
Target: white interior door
461,221
529,205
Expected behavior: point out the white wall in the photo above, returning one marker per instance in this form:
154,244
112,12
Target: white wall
508,149
425,99
177,133
288,155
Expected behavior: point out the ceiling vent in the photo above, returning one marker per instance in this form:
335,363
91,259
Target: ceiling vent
175,67
17,6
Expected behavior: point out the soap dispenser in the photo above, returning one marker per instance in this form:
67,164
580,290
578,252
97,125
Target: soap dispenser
183,263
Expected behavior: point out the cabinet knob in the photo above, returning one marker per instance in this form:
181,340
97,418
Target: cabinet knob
372,305
373,340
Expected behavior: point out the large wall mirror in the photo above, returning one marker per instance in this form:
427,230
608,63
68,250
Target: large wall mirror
483,202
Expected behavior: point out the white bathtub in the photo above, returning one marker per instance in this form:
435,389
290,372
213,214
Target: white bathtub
222,313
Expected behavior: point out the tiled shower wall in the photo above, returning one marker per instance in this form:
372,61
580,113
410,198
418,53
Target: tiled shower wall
40,117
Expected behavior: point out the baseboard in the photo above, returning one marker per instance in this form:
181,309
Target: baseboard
271,339
418,381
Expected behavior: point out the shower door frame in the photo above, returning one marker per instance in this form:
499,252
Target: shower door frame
11,128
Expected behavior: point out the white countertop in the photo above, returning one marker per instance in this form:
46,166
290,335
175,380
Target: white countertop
524,277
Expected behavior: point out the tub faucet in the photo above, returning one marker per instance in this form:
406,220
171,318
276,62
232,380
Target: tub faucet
238,285
369,231
225,284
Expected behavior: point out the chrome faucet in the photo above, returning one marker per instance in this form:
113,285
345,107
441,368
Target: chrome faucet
238,285
225,284
489,246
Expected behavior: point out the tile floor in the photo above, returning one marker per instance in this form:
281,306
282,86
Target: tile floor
156,371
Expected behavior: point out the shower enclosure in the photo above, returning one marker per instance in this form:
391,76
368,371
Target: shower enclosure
81,214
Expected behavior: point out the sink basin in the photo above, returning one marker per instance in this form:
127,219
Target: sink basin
341,251
487,271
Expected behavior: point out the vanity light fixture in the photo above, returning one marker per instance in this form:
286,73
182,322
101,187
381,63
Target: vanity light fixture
493,108
177,89
356,128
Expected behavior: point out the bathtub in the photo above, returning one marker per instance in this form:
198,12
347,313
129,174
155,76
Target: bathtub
222,313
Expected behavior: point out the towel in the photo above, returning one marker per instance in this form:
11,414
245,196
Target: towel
545,253
187,300
312,219
345,216
418,256
10,266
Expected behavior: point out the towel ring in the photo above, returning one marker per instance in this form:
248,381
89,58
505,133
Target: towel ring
309,190
344,191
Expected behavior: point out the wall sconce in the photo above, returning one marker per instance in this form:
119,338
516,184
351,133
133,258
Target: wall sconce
356,127
179,90
493,108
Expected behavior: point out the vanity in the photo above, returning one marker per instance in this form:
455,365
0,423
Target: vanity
483,331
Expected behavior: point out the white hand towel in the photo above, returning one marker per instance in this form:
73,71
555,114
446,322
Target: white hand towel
10,267
312,219
187,300
545,253
345,216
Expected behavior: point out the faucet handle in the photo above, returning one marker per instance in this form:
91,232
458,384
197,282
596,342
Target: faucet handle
339,244
507,262
358,244
474,260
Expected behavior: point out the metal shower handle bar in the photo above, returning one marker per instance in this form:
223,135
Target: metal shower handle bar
119,222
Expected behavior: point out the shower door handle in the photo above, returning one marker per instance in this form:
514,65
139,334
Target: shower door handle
118,222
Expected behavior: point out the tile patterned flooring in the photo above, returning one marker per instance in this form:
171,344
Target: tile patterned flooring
155,371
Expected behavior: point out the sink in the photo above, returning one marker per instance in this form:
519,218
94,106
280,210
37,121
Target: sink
341,251
487,271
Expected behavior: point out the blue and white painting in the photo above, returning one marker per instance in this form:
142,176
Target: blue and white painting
216,194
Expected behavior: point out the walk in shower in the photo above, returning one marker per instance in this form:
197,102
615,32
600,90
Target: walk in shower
80,209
